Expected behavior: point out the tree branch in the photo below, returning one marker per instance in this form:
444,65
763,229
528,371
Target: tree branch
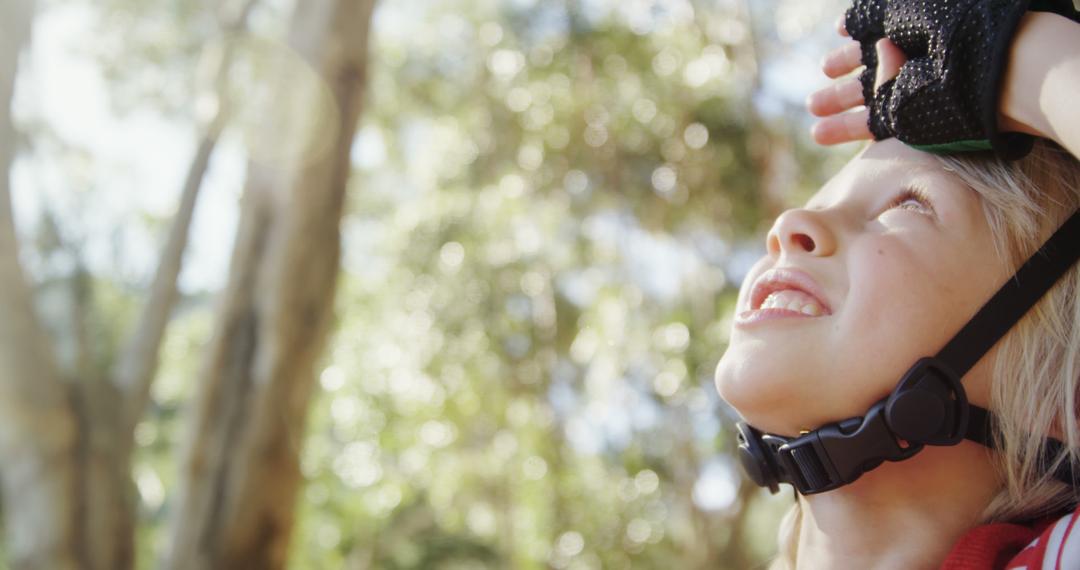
240,472
139,360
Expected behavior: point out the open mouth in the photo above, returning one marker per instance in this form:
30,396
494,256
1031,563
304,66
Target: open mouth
793,300
785,292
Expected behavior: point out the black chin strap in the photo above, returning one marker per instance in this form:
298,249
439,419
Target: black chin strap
927,407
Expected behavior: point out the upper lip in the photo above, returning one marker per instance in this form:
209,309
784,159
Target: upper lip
784,278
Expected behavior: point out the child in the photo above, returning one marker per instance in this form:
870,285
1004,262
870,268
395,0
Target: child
887,262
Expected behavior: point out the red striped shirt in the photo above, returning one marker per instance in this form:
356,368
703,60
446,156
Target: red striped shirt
1047,545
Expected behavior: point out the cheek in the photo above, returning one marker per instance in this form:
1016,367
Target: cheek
892,300
901,307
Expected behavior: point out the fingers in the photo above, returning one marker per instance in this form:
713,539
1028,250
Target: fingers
890,59
841,26
843,60
834,103
842,128
836,98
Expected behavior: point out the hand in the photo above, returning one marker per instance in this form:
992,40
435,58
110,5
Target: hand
946,97
839,124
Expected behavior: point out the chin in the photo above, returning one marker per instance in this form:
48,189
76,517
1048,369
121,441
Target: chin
766,393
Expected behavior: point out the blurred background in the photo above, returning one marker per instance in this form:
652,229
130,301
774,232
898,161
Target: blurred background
397,284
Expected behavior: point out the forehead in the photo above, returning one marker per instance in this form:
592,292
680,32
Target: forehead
886,167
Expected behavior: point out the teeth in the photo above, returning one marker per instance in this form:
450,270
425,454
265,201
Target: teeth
792,300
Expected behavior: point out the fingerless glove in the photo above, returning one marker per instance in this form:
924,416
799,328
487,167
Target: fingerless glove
947,94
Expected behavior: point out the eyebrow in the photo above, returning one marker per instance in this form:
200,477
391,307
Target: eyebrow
923,176
920,168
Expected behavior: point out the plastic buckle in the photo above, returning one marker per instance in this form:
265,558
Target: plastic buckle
803,462
839,453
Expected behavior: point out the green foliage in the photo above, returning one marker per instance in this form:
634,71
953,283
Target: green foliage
534,298
164,53
549,209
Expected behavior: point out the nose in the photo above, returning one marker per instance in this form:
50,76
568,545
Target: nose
801,231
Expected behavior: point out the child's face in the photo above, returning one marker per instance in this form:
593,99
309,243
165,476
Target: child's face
881,287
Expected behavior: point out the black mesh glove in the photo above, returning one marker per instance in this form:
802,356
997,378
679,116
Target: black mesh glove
946,96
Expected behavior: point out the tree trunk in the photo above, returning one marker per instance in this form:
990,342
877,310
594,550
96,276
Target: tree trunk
139,361
67,445
240,470
37,428
109,404
109,407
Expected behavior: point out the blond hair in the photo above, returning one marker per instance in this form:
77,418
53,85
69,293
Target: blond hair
1036,368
